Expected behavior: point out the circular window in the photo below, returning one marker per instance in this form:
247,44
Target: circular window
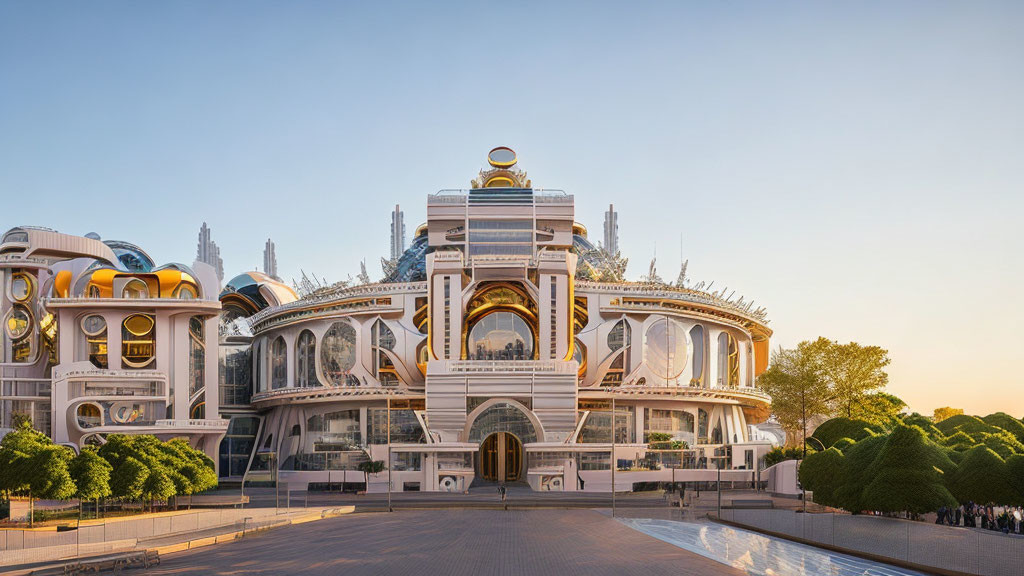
21,287
19,321
139,324
665,348
500,336
93,325
89,416
501,157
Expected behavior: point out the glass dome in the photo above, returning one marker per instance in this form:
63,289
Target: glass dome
131,257
500,336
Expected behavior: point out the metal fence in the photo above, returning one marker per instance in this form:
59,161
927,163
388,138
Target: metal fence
966,550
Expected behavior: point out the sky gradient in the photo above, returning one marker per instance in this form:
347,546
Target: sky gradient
856,169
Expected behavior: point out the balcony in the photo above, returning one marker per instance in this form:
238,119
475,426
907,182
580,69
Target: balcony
522,366
25,388
195,423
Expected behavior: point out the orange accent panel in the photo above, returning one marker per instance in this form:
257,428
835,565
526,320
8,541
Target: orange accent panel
761,349
62,284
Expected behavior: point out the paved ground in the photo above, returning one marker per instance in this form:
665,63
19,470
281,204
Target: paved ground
452,542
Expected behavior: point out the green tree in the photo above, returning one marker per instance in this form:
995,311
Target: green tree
1006,422
368,467
879,408
31,463
924,423
907,475
946,412
158,486
853,475
128,478
834,429
851,371
968,424
1015,469
982,477
91,475
821,473
799,395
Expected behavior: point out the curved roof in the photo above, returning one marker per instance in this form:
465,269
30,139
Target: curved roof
131,257
256,291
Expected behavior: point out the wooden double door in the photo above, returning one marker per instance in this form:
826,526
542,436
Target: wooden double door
501,457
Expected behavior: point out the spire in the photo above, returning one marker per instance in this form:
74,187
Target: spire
207,251
611,230
270,260
397,233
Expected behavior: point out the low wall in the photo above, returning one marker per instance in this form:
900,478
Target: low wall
964,550
18,546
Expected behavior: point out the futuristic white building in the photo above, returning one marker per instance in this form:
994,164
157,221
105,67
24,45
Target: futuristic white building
99,340
501,346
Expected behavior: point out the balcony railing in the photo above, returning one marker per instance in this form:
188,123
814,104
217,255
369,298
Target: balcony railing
193,423
556,366
25,387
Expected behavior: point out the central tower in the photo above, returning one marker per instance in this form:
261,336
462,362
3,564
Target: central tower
500,292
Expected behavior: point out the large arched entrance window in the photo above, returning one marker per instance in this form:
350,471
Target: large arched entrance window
665,348
501,428
500,335
501,324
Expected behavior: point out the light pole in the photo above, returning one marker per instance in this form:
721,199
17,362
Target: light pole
613,456
388,398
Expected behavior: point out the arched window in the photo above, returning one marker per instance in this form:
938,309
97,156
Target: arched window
579,354
697,338
383,368
137,341
338,354
665,348
500,335
185,292
619,343
702,425
728,360
89,416
197,355
278,363
135,289
95,329
305,360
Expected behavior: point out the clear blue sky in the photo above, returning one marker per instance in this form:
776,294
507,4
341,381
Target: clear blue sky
856,168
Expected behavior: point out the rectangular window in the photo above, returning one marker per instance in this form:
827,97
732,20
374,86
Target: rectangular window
554,317
447,317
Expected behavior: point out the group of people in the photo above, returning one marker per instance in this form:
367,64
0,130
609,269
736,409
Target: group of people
1005,519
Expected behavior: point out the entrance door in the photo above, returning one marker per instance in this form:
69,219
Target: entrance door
501,457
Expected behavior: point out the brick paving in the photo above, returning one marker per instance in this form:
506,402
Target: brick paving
452,542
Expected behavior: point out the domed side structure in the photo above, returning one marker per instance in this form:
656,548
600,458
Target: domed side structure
105,342
496,346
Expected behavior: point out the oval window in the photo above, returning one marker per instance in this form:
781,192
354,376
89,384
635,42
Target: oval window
139,324
21,287
93,325
18,322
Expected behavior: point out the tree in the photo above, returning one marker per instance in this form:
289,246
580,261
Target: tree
1006,422
831,431
969,424
983,477
946,412
30,462
821,473
853,475
907,475
798,393
368,467
850,371
91,475
158,486
128,478
879,408
1015,469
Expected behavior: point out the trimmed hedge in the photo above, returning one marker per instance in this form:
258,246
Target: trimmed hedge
819,473
983,477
